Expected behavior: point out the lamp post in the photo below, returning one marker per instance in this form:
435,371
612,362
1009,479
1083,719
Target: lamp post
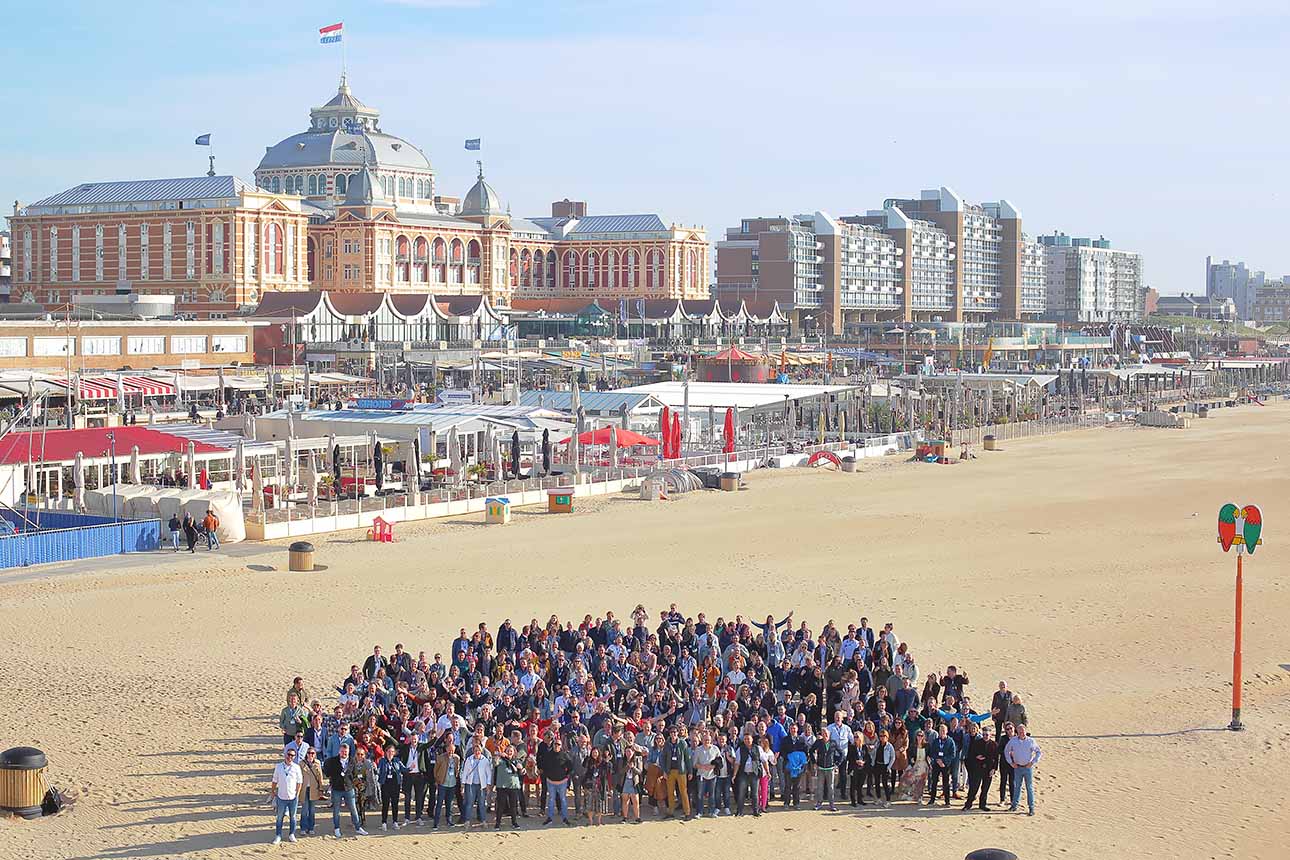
111,437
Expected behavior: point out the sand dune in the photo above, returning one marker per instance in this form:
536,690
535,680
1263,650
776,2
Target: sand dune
1081,567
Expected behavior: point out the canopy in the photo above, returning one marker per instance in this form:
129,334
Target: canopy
734,353
625,438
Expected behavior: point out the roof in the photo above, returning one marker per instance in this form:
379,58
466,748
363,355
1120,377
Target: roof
601,402
319,148
481,199
356,304
619,224
280,304
740,395
61,446
524,225
364,190
734,353
149,191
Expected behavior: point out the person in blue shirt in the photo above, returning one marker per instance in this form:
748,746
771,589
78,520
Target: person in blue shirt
389,776
941,757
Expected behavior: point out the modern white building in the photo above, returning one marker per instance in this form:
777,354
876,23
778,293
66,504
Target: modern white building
1089,281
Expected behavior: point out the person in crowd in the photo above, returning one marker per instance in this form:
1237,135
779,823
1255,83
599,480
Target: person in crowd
390,771
1023,754
340,774
508,775
747,776
285,791
190,532
981,757
941,753
1005,769
476,775
312,790
210,523
447,775
176,530
556,766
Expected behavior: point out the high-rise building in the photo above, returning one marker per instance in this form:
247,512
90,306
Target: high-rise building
6,271
936,257
1272,301
1233,281
1089,281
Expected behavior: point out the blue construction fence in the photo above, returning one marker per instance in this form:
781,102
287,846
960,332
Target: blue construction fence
43,537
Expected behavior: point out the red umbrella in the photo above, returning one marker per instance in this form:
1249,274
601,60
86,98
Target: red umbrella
730,431
676,435
624,438
664,427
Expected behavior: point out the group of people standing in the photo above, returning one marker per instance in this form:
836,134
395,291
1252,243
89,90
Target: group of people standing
605,717
192,530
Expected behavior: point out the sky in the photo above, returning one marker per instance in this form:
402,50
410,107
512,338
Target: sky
1160,125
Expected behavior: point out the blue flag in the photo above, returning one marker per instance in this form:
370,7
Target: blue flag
473,143
203,140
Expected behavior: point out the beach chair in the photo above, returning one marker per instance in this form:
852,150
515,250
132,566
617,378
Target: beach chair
381,531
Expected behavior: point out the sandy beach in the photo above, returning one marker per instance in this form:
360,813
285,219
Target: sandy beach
1081,567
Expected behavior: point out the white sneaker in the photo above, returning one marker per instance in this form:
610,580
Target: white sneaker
384,826
277,840
336,833
291,837
361,832
396,825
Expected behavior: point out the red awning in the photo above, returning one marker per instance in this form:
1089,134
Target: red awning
625,438
92,388
147,387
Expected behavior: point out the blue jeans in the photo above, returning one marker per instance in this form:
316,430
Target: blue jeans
287,808
174,540
708,793
343,798
212,542
474,801
954,777
557,794
723,793
446,794
307,818
1026,775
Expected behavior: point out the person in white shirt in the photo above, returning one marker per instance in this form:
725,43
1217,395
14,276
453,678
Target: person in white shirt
1023,754
476,773
287,778
840,735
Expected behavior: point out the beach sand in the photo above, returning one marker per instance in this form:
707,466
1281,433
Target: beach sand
1081,567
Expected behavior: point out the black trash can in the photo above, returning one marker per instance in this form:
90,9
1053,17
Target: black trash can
991,854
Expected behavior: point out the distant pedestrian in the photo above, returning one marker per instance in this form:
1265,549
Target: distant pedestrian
190,532
176,529
210,524
1023,754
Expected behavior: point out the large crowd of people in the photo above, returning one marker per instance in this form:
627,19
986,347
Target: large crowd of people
678,716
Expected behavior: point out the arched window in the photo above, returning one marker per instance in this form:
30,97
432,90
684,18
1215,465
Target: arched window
313,184
694,269
570,270
539,270
655,269
340,184
550,269
273,260
439,251
216,295
420,260
611,270
457,260
401,253
629,270
526,269
591,261
472,262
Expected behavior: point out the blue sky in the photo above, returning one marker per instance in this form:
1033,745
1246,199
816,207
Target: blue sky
1159,124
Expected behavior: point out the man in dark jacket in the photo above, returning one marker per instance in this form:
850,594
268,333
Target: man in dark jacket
981,756
793,742
748,768
338,772
556,767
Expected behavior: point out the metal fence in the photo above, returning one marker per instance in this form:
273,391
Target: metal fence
71,544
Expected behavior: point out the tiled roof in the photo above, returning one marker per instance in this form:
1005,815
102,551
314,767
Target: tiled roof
149,191
279,304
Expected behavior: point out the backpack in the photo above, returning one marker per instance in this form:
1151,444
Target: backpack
795,763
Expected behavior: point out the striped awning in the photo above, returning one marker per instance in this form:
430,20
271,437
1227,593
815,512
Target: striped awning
147,387
92,387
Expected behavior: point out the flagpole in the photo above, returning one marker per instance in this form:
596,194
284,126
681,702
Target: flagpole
1236,651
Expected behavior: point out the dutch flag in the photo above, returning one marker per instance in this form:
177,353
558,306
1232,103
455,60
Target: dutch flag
331,35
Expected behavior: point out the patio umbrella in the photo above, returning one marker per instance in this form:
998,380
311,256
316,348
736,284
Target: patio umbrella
621,438
664,430
454,455
433,443
676,435
574,400
332,454
192,466
378,465
622,417
335,462
257,489
712,424
582,376
249,421
495,455
546,451
411,472
134,466
311,483
822,424
842,425
78,482
291,423
613,445
120,393
289,465
515,453
729,446
219,374
239,465
685,411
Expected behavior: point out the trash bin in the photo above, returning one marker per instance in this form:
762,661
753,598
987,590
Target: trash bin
729,481
301,554
988,443
848,464
22,781
991,854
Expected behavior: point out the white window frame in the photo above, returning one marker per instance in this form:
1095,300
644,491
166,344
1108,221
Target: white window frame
47,347
100,344
188,344
146,344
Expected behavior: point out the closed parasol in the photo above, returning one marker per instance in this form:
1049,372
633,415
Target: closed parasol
135,477
729,447
515,453
546,451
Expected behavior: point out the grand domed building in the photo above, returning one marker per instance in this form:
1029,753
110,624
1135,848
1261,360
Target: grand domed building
343,135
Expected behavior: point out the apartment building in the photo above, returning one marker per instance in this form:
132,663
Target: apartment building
1089,281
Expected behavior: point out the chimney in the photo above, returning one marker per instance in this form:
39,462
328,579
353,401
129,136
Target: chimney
567,208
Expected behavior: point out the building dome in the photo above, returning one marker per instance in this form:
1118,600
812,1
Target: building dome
364,190
481,199
343,135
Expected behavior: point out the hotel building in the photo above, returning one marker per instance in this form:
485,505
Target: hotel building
1089,281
